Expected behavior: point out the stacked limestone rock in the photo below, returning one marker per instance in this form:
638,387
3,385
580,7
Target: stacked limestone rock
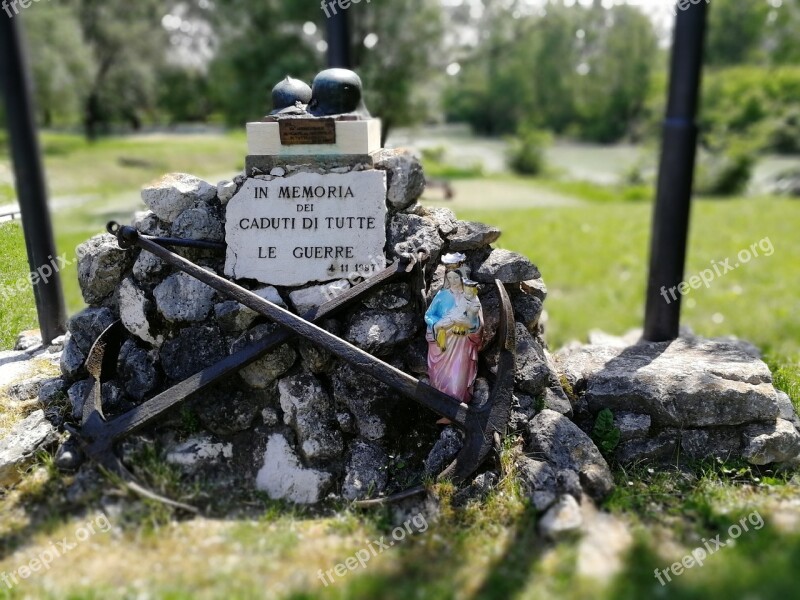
693,398
298,423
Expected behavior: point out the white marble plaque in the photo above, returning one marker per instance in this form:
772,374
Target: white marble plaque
307,227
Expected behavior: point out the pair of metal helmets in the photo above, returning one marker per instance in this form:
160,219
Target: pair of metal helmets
333,92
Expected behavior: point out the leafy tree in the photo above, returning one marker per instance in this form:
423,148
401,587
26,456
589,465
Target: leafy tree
398,67
129,45
61,63
260,44
736,31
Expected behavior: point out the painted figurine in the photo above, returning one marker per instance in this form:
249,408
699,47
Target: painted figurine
455,332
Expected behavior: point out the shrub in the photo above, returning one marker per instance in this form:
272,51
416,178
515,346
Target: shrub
526,153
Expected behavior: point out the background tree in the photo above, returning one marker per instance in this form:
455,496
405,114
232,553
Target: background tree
62,64
129,46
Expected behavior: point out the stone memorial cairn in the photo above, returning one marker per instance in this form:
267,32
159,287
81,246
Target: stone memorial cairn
320,207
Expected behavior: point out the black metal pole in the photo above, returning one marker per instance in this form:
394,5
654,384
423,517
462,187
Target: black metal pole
16,88
339,54
675,178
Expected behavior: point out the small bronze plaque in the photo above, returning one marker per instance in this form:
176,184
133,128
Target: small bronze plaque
307,131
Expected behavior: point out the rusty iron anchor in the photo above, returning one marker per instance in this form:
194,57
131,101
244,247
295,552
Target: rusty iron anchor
481,425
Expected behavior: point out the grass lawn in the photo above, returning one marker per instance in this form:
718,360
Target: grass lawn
592,252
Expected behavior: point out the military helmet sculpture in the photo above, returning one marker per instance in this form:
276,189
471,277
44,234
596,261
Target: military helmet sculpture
334,92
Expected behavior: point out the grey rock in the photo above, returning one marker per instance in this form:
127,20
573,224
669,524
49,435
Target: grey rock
538,480
527,310
19,446
405,178
101,264
315,359
532,371
562,520
307,299
380,332
690,383
395,296
113,398
78,394
72,359
657,449
28,389
443,218
786,408
87,325
226,190
720,442
224,410
191,351
568,482
518,422
472,236
272,365
366,473
444,451
415,357
411,234
136,311
535,288
481,392
346,421
308,409
148,223
235,318
69,456
57,345
632,426
368,400
507,266
137,369
478,489
270,417
559,441
182,298
556,399
169,196
283,476
199,223
771,443
28,340
149,269
199,452
52,391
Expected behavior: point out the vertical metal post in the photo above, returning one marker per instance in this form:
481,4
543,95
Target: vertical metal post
339,52
675,178
15,85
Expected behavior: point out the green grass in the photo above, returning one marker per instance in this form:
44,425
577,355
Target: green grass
594,261
17,308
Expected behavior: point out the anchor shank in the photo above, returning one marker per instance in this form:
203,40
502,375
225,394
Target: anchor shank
430,397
